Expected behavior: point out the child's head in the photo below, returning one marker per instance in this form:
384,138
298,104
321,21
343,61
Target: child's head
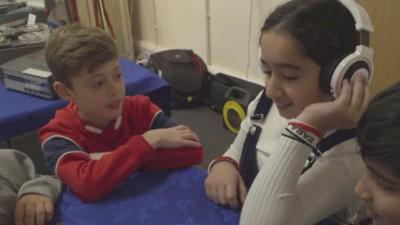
74,47
298,41
84,63
379,138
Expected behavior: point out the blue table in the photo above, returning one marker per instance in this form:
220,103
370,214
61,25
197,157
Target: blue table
21,113
174,197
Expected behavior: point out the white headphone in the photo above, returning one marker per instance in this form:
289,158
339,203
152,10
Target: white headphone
360,61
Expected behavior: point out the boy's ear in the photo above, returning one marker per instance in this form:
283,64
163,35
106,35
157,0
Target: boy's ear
62,91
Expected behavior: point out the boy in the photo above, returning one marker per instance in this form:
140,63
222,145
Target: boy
379,138
25,197
102,136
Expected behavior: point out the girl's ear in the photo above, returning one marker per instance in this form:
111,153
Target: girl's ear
62,91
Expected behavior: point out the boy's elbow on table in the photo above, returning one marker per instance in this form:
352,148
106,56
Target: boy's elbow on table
172,158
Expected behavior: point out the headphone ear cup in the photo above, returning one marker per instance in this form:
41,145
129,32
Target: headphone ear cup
326,76
358,62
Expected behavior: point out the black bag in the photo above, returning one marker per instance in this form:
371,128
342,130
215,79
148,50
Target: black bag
185,72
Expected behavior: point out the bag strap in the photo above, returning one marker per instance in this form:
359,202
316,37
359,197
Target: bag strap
248,158
336,138
327,143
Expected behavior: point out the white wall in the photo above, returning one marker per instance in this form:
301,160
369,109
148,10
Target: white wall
223,32
229,35
34,3
182,24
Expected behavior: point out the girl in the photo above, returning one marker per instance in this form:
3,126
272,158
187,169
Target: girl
299,42
378,135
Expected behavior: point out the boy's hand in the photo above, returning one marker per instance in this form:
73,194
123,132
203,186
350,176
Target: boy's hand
225,186
173,137
341,113
33,209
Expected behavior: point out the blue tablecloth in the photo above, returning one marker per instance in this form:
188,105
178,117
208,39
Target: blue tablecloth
174,197
21,113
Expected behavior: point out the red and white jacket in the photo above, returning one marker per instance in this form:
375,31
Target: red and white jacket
92,161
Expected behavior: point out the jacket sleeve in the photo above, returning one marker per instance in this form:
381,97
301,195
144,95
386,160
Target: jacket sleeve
16,168
171,158
91,179
44,185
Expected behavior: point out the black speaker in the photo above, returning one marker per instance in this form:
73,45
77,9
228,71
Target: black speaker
231,96
223,88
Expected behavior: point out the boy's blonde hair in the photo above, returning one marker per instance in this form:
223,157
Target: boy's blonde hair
74,47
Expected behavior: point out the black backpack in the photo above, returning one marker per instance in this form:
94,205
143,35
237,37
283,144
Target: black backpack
185,72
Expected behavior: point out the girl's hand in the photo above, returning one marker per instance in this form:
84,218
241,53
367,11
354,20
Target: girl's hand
225,186
341,113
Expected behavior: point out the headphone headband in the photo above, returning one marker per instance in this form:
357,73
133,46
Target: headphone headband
363,22
360,61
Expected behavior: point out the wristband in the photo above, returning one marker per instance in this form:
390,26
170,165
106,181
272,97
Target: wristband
306,127
223,158
305,136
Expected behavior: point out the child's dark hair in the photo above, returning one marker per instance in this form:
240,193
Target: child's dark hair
378,131
324,29
73,47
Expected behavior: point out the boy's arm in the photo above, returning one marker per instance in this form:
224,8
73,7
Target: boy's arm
168,158
91,179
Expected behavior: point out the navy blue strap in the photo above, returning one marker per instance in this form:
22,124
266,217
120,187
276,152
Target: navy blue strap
336,138
262,108
248,158
329,142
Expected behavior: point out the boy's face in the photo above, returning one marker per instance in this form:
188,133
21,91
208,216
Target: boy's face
379,189
291,79
98,95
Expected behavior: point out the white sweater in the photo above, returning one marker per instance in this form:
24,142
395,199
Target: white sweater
279,195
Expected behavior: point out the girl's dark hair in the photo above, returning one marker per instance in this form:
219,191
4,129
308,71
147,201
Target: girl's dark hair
324,29
378,131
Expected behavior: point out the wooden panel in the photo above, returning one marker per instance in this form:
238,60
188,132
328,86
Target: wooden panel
385,18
